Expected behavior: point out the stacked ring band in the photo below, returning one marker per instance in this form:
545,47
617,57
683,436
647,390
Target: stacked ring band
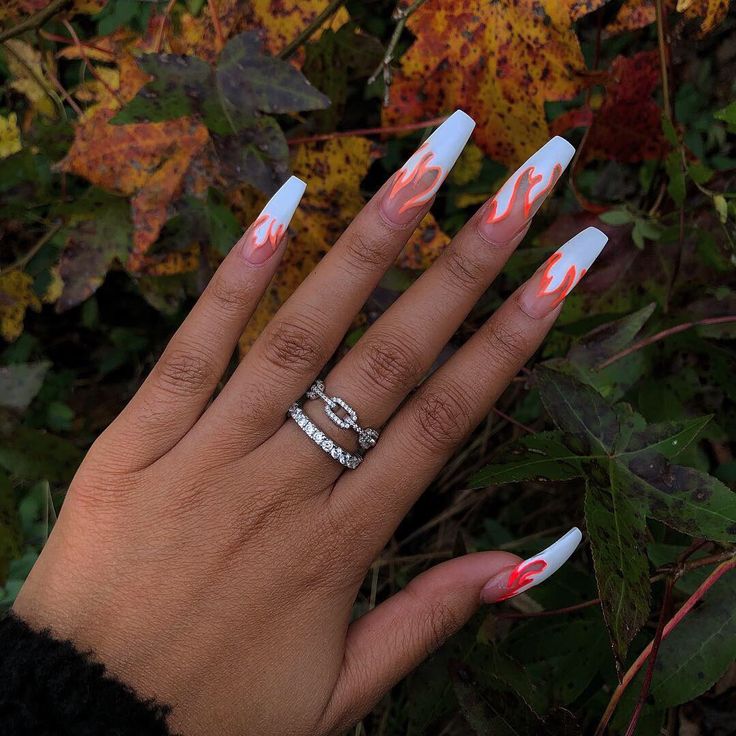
366,437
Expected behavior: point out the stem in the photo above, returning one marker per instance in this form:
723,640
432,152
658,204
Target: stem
663,57
666,333
367,131
219,39
513,421
646,686
164,19
35,20
70,41
26,257
723,568
311,29
402,15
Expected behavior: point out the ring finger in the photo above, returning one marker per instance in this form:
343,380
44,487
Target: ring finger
398,350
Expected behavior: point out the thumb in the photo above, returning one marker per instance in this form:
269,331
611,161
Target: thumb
387,643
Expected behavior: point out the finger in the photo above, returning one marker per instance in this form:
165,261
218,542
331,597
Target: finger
398,350
309,327
386,644
430,426
180,385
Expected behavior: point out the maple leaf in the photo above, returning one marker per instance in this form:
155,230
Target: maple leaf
25,65
498,61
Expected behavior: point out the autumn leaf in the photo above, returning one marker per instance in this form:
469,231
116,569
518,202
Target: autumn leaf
16,295
9,135
627,127
25,65
499,61
283,20
706,14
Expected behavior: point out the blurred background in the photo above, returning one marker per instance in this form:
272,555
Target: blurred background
134,150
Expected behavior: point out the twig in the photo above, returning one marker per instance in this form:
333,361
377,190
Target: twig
164,20
86,61
666,333
219,39
367,131
70,42
663,57
631,673
647,684
37,77
35,20
401,15
26,257
311,29
513,421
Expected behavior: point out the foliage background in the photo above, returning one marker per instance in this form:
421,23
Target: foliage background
133,151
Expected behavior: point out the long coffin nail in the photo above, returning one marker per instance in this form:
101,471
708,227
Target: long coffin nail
531,572
267,232
518,200
558,276
417,181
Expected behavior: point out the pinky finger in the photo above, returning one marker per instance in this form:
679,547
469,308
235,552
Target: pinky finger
387,643
182,382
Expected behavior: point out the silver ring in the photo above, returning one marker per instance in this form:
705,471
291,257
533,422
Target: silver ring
348,459
367,438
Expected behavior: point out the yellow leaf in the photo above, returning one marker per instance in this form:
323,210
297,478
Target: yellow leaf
25,66
16,295
468,166
706,13
499,61
9,135
283,20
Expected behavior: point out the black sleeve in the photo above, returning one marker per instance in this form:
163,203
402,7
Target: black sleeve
49,688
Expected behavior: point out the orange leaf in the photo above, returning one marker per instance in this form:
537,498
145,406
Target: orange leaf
146,161
499,61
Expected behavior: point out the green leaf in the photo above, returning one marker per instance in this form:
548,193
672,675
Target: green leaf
181,85
20,382
697,652
669,132
542,456
676,185
31,455
223,226
11,538
667,438
578,410
105,233
728,115
616,217
617,527
721,207
249,81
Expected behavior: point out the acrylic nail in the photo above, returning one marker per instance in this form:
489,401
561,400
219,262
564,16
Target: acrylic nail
518,200
531,572
418,180
264,237
560,274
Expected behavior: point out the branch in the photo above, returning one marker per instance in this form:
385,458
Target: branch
689,604
647,684
26,257
366,131
311,29
34,21
666,333
401,15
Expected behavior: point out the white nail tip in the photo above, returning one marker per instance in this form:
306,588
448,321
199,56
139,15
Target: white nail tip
537,569
544,168
280,208
570,262
438,153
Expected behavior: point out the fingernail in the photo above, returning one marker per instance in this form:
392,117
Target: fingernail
558,276
269,229
417,181
518,200
531,572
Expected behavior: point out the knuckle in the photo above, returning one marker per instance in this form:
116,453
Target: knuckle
294,345
463,270
231,298
365,252
390,362
185,372
506,347
443,417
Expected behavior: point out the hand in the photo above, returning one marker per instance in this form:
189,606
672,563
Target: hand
210,553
